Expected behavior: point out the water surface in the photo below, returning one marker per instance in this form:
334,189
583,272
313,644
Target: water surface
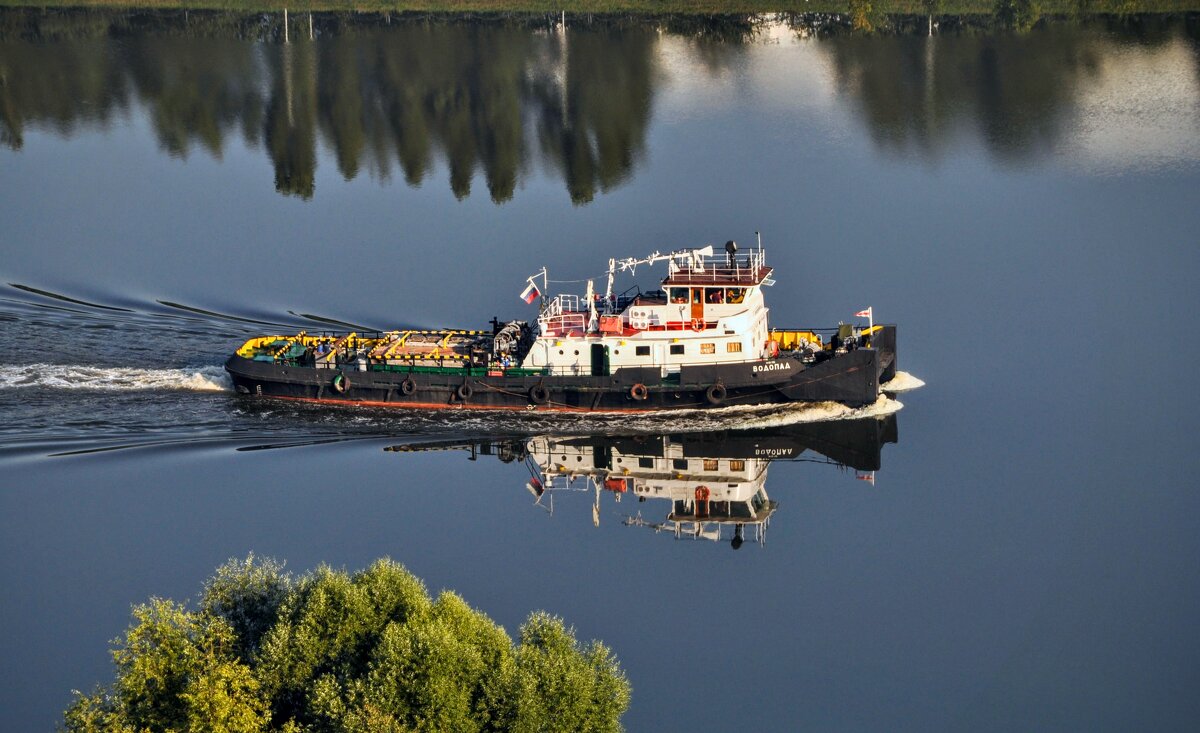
1024,205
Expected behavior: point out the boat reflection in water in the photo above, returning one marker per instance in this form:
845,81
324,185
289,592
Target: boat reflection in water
714,483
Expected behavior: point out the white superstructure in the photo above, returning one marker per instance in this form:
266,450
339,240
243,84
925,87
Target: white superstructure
710,310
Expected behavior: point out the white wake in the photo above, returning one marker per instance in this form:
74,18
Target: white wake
113,379
902,382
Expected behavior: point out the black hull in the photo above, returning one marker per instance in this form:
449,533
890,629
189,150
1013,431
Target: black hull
852,378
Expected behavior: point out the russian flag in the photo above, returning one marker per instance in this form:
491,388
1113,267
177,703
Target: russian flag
530,293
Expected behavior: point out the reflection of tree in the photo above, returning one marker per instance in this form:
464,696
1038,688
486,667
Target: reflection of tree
1017,89
196,88
73,82
290,128
594,112
380,93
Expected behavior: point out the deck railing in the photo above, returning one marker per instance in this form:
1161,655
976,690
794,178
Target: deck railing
749,268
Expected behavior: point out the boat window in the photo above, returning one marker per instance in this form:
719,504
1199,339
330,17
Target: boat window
737,465
676,348
708,348
735,295
734,347
644,462
643,350
697,295
710,464
679,295
716,295
680,464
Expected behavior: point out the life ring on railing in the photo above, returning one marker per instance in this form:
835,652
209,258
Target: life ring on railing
539,394
702,493
341,383
716,394
464,392
639,392
408,386
697,324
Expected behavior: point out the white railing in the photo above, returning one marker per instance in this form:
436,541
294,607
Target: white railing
736,267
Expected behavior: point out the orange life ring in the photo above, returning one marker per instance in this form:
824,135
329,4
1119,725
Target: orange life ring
697,324
702,493
639,392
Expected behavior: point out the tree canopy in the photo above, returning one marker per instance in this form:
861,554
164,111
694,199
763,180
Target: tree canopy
335,651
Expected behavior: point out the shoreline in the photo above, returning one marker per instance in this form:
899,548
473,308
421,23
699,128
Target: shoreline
634,7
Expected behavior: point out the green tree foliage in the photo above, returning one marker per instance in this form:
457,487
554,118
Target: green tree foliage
1020,15
176,671
334,651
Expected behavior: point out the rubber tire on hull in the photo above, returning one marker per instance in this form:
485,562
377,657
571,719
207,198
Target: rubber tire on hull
340,383
464,392
407,387
716,394
539,394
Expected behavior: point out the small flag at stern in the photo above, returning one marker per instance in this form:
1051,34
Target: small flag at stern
864,313
530,293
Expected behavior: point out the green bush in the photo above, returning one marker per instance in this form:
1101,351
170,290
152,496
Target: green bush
332,651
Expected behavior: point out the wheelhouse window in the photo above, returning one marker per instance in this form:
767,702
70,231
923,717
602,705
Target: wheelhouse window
676,348
708,348
735,295
737,465
645,350
644,462
734,347
710,464
680,464
678,295
715,295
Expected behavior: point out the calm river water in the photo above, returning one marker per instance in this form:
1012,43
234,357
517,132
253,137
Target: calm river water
1024,205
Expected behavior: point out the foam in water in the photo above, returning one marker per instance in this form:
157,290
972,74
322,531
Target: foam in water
113,379
902,382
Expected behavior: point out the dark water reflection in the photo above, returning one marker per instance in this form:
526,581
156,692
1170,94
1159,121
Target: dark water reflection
384,95
1018,92
406,95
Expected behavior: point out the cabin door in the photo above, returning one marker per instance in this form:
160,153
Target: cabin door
599,360
698,304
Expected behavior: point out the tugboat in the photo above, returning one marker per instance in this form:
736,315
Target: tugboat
699,341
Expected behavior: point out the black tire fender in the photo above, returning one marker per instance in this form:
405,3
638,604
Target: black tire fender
716,394
464,392
539,394
639,392
408,386
340,383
